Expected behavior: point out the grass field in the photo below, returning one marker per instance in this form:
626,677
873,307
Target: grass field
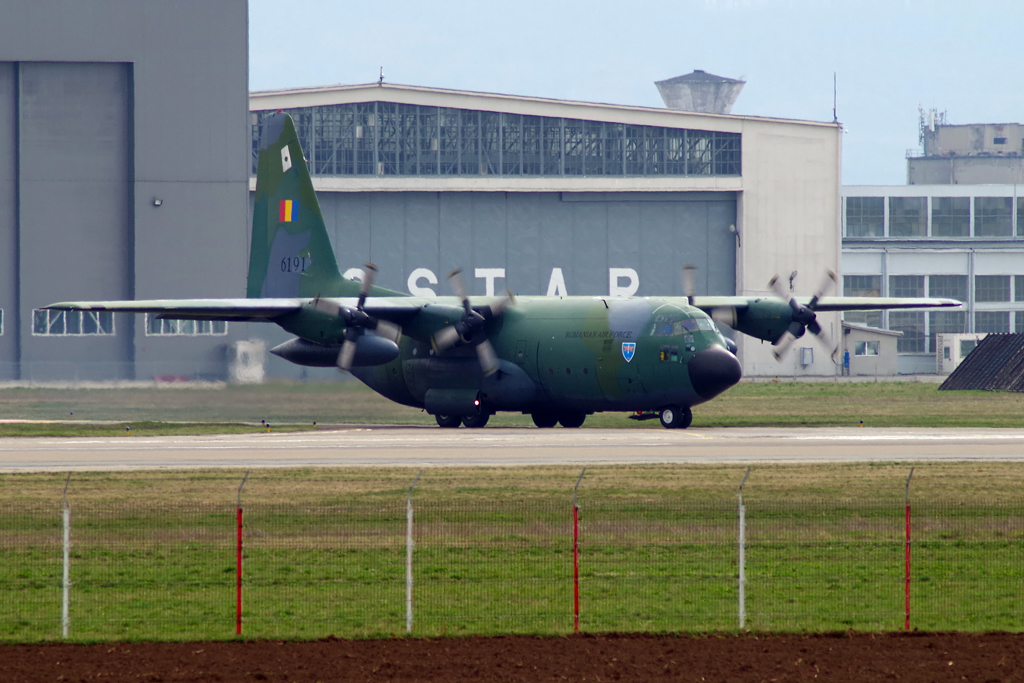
878,404
153,554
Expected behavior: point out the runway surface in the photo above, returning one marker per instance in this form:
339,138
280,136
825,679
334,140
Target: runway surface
434,447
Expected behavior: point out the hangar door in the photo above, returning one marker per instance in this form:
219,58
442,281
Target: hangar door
537,243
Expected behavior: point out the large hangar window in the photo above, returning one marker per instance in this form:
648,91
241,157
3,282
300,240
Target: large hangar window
385,138
46,323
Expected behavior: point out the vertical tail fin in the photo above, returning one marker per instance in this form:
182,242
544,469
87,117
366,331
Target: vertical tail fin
291,253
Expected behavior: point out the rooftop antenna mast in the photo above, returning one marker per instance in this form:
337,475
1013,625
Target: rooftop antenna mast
380,81
835,118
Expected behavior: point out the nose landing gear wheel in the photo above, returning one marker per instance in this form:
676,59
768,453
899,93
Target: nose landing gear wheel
448,421
676,417
478,420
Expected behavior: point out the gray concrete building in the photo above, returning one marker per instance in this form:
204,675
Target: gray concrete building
972,154
123,174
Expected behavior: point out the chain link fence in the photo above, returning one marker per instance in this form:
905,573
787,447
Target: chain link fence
478,566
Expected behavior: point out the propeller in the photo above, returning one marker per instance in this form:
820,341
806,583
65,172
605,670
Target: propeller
803,317
689,281
723,315
357,320
469,329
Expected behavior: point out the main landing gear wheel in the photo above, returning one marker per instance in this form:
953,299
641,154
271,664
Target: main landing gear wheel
448,421
676,417
544,420
478,420
572,419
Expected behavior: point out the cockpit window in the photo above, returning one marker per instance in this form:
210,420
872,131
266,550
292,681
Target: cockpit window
671,326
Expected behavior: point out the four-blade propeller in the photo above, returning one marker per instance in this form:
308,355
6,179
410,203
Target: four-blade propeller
804,317
469,329
357,321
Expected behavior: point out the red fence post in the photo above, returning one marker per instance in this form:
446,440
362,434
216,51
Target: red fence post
238,594
906,552
238,610
575,568
576,556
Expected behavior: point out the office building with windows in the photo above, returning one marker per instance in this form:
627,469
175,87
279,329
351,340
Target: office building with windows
964,242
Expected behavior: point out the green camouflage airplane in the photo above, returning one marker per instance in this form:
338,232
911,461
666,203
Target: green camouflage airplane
558,359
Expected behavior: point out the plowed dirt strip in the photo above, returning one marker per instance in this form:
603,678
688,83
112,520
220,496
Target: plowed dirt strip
635,657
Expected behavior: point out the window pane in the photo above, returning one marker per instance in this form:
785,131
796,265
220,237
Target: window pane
993,216
1018,285
89,323
906,285
945,322
40,321
220,327
948,287
911,324
992,321
511,144
907,217
73,321
106,322
1019,315
863,285
865,216
951,216
1020,216
152,324
992,288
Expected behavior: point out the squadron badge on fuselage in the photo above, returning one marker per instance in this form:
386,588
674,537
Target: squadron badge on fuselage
627,350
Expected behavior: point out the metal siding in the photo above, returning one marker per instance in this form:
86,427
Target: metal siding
556,246
490,240
421,228
455,240
589,250
8,222
523,215
189,105
74,205
529,234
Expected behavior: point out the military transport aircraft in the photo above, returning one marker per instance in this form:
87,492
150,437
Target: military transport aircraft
558,359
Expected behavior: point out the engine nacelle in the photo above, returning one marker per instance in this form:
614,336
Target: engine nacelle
370,350
765,319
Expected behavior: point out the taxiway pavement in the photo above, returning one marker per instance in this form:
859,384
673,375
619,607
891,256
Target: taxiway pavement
434,447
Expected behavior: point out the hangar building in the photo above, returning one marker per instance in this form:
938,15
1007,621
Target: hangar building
123,174
556,197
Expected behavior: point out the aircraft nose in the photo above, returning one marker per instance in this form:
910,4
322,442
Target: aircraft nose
713,370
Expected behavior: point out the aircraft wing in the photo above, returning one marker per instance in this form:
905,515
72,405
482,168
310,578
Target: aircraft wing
828,303
429,315
239,310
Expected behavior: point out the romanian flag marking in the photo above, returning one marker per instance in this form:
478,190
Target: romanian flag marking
289,211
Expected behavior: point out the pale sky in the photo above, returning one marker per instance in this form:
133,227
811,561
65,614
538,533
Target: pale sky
889,57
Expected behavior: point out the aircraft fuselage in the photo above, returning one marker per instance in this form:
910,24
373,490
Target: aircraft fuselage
586,354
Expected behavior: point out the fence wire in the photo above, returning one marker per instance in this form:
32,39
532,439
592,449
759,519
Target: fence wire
505,566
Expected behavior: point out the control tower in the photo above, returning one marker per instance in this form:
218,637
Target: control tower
700,92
